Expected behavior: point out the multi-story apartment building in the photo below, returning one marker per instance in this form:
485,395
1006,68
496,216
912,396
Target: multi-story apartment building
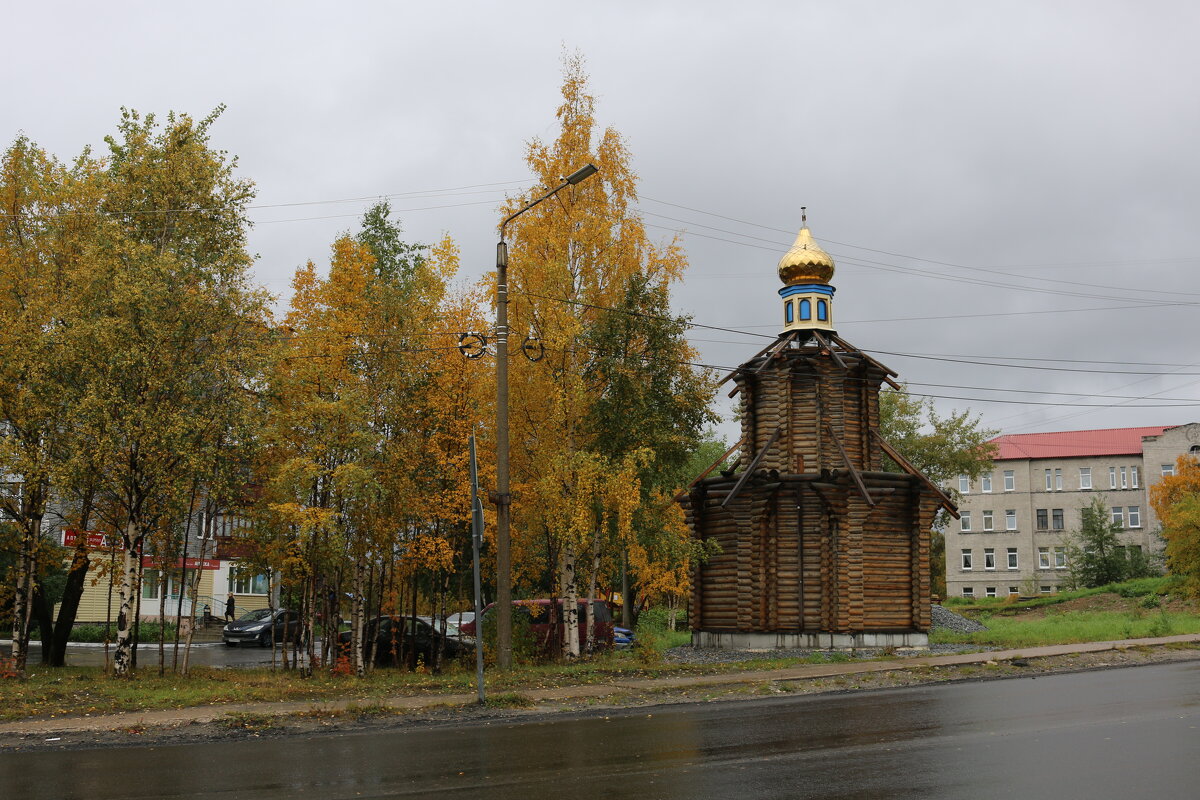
1016,520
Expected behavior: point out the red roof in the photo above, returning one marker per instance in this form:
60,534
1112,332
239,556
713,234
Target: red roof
1068,444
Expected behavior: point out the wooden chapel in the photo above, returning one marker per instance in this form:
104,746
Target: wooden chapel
818,545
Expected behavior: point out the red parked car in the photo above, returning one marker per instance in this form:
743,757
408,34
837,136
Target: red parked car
544,618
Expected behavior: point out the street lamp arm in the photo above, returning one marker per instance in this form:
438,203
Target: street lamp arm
584,172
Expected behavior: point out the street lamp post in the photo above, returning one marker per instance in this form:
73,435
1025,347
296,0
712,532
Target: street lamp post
503,497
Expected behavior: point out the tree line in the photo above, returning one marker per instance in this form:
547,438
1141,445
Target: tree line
150,388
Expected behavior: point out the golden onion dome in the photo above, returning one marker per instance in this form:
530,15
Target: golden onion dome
805,262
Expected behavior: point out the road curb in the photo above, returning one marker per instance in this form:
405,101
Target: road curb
134,720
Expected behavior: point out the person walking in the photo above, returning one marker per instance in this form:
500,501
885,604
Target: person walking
229,608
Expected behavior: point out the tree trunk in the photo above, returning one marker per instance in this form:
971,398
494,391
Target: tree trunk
194,587
589,614
123,655
626,606
356,618
23,597
570,600
69,608
164,580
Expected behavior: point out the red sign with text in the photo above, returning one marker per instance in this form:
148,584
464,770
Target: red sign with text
95,539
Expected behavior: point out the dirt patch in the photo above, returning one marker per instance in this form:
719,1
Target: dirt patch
379,717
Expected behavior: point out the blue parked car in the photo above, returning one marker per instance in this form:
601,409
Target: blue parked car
622,637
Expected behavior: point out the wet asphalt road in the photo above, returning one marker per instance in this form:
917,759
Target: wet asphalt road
1107,734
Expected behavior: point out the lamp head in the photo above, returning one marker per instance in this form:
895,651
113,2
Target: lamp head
582,174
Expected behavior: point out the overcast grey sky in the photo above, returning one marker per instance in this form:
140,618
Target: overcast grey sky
997,182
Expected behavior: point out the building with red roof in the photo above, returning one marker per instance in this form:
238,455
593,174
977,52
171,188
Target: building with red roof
1016,520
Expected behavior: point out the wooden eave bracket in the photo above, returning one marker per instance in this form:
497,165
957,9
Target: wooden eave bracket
854,473
741,481
946,502
683,492
837,359
890,373
771,350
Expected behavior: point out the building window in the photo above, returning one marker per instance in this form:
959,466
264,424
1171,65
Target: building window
1049,481
150,578
964,522
1112,477
1043,558
1124,479
1085,477
1135,516
985,483
989,558
789,312
987,520
968,591
1010,481
1010,519
1168,470
1045,589
966,559
1133,477
1060,558
1056,519
1043,519
1012,558
822,310
1058,480
1014,590
805,309
990,591
964,484
244,581
1118,516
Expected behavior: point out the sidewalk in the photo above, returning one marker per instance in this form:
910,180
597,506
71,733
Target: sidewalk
178,716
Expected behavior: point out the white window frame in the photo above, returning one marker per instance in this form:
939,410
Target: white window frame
1012,558
1010,519
989,591
1168,470
1058,484
244,582
985,483
1085,479
1060,558
1049,480
1043,558
968,591
1112,477
989,558
1124,479
1010,480
1046,589
988,520
964,484
968,560
1118,516
1133,477
964,521
1134,516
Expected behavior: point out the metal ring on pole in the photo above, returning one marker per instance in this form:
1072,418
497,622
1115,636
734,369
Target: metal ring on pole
472,345
533,349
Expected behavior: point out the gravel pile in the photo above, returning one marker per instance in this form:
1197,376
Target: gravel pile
947,620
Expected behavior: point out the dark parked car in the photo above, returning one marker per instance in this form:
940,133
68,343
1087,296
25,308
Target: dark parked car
255,626
386,632
544,618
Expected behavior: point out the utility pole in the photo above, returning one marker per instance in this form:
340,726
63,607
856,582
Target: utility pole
502,497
